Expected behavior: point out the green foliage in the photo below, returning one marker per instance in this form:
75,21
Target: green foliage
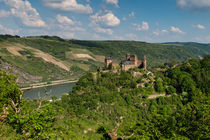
9,90
101,100
182,116
110,66
33,123
159,86
170,90
22,116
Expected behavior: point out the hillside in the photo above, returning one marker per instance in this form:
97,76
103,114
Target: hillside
172,103
44,58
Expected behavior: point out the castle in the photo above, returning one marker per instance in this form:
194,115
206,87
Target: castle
131,61
110,61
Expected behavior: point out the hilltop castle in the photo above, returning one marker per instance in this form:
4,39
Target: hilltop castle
131,61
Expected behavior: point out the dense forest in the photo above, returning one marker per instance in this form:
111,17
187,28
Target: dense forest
115,105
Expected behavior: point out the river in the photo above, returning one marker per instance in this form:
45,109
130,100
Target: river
57,90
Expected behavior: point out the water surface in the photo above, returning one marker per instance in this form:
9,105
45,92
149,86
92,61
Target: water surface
57,90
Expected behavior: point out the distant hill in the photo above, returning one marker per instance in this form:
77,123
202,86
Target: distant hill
46,58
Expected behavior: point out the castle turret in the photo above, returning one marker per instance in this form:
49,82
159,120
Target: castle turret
108,60
128,56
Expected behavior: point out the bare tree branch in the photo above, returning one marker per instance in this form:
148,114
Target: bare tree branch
113,134
15,105
41,99
126,137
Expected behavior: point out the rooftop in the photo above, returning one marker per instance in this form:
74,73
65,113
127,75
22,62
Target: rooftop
127,63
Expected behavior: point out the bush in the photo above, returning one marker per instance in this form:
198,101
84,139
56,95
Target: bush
170,90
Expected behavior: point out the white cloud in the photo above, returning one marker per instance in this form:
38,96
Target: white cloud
158,32
199,26
164,31
102,23
64,20
115,2
108,20
4,30
144,26
176,30
194,4
132,14
104,30
23,10
131,36
66,24
68,5
69,28
4,13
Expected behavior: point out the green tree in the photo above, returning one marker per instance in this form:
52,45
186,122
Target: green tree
171,90
31,120
159,86
110,67
10,94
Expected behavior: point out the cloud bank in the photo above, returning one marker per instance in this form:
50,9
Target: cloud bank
194,4
23,10
114,2
68,5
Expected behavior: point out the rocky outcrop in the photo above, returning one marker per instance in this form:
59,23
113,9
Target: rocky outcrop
23,77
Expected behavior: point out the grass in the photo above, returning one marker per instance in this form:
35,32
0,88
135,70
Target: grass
38,67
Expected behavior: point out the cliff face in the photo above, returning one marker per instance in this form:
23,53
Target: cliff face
23,77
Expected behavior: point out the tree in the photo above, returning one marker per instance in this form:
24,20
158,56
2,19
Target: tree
171,90
159,86
133,84
10,94
28,118
110,66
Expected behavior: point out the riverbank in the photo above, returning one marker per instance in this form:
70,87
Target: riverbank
46,84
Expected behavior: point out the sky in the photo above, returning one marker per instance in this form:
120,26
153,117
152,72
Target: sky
140,20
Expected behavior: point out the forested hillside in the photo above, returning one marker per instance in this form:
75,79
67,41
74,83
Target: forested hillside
45,58
116,105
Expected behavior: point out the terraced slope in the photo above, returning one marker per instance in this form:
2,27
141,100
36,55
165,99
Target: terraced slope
54,58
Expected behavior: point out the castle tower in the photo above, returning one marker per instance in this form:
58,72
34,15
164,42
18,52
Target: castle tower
134,59
145,62
108,60
128,56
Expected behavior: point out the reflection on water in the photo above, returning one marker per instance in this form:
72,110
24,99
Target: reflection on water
57,90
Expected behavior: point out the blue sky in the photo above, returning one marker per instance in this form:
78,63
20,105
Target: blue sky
141,20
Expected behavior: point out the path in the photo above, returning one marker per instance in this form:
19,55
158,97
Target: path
158,95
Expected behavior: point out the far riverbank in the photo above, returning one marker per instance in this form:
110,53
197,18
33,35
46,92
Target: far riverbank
46,84
47,92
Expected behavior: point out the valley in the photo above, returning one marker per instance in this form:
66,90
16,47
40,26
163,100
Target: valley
44,58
